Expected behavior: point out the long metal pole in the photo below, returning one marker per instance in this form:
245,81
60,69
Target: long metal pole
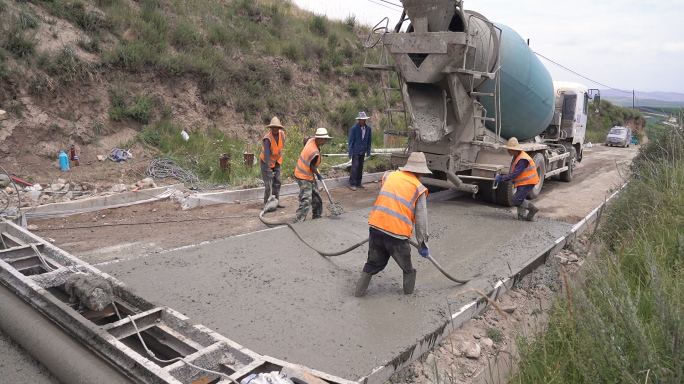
60,353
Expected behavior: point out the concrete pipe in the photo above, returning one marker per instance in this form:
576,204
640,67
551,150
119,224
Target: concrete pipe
61,354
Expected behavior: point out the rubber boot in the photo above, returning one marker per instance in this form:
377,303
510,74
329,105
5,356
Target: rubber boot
362,284
521,211
409,282
531,211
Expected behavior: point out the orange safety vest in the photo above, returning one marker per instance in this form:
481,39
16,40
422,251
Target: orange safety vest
395,208
529,175
303,169
276,148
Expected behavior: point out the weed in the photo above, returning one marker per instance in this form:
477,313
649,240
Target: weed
90,44
292,51
28,20
350,21
98,128
38,84
286,72
142,109
18,44
17,109
218,34
319,25
185,36
495,334
336,59
354,89
3,6
333,40
216,98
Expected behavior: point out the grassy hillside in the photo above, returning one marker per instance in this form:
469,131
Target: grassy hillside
97,73
622,321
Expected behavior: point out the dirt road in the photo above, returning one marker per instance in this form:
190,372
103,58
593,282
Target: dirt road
602,171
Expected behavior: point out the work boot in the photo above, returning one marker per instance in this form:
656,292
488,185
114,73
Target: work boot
521,211
362,284
409,282
352,187
531,211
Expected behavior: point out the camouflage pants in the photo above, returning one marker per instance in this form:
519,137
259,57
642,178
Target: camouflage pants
308,197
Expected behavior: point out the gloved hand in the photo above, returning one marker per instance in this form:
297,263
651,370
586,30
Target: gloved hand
498,178
320,177
424,252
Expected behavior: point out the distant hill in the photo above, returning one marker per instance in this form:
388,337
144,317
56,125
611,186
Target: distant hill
644,99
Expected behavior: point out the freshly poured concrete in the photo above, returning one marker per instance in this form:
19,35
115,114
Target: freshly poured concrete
271,293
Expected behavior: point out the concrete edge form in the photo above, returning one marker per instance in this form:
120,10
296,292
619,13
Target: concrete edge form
36,271
468,311
225,197
100,202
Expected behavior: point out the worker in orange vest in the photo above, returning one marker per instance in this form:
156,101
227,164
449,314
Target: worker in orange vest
306,172
400,205
272,146
524,176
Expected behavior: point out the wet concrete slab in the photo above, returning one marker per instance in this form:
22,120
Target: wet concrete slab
272,294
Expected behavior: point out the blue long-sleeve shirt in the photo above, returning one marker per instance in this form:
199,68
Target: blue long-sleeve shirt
519,168
357,144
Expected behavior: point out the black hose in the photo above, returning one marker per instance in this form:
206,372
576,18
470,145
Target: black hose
364,241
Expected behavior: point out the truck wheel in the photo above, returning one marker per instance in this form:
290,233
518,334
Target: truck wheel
504,193
485,191
567,175
540,162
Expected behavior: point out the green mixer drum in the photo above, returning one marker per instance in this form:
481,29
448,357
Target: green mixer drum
527,99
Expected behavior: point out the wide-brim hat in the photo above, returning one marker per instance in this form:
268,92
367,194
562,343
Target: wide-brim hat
416,163
513,144
322,133
362,116
275,123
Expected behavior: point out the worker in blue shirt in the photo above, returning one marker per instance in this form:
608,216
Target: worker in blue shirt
359,148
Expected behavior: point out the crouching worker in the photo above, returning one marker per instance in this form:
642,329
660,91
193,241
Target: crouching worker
524,176
400,205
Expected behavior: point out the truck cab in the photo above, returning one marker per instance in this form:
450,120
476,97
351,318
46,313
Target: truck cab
569,124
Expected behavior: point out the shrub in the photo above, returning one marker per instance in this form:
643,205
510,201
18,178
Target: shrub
350,21
354,89
218,34
286,73
292,51
319,25
184,36
28,20
18,44
90,44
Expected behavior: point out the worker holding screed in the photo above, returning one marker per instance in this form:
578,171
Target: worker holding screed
400,205
271,158
305,170
525,177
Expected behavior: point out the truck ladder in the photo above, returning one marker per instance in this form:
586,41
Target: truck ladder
391,84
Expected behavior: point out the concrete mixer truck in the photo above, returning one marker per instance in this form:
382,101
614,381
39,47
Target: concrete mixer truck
467,86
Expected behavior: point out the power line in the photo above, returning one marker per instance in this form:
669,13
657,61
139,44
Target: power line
571,71
383,5
389,2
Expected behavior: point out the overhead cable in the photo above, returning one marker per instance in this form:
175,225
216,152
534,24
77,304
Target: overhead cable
383,5
570,70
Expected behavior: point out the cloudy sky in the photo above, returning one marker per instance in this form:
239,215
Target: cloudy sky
623,44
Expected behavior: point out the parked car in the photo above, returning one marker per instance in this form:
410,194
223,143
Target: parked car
619,136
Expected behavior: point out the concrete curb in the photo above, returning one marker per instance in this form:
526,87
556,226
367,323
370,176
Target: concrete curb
227,197
100,202
466,312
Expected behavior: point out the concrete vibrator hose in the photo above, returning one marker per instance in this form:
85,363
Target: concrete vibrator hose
356,245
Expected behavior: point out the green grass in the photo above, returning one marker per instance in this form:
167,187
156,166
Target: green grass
17,42
626,320
140,109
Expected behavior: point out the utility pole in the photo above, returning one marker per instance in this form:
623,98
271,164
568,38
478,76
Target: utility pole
632,99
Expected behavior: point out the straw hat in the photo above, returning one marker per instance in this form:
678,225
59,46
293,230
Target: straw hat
513,144
322,133
362,116
275,122
416,163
